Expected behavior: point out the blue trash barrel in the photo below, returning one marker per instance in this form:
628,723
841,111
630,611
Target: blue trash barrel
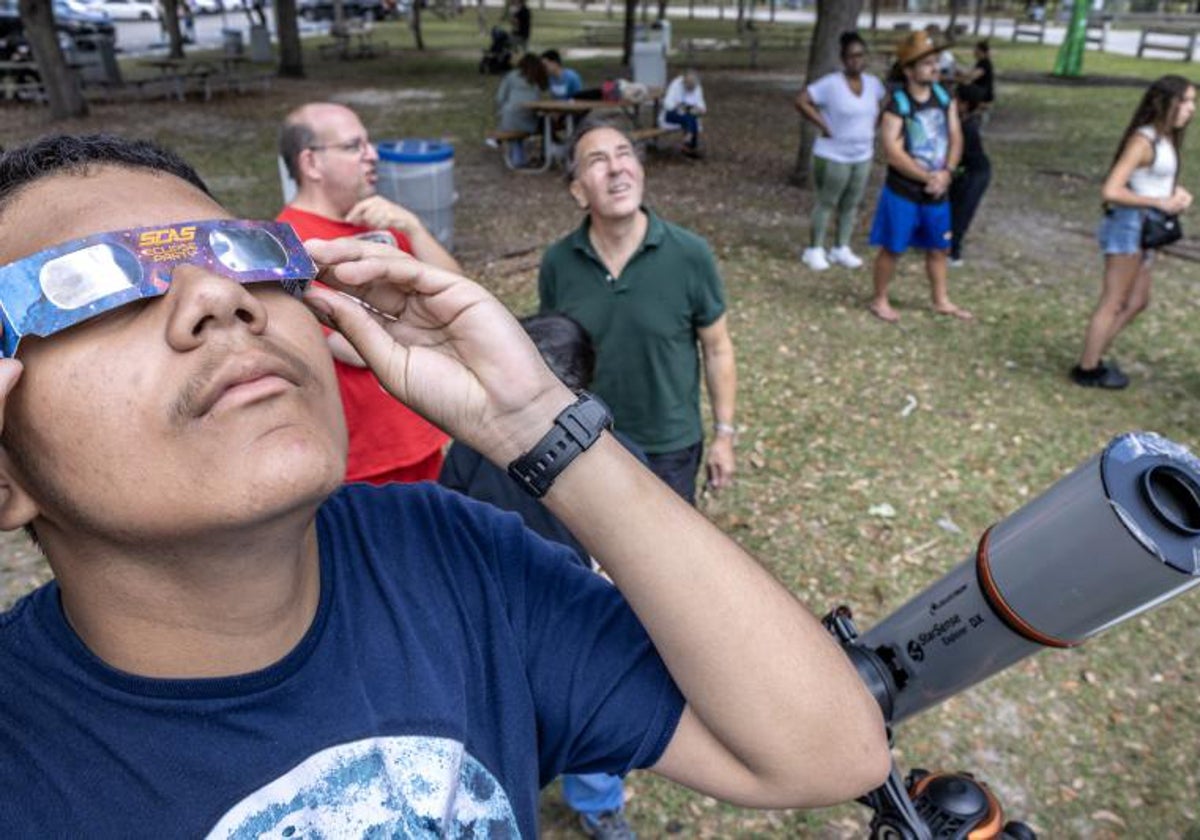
419,174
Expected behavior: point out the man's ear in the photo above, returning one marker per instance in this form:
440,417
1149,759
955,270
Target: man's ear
576,190
306,162
17,507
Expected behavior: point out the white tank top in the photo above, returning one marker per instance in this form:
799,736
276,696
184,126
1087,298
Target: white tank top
1158,179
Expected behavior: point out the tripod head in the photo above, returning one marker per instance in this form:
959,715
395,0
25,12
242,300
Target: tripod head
1117,536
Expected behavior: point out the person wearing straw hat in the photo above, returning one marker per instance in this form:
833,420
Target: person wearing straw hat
922,141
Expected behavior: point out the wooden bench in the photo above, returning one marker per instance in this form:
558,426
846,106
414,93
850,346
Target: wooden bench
501,139
1029,30
1182,41
649,137
1097,34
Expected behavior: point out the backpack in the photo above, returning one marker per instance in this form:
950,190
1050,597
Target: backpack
904,103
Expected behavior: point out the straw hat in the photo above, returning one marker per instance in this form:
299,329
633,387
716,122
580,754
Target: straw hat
915,47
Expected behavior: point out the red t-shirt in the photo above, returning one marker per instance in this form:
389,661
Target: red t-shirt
384,434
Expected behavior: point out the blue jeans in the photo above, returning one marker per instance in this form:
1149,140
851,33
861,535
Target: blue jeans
690,124
678,469
593,793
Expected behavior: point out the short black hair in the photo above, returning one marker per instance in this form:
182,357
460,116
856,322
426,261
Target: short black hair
566,347
596,119
74,154
552,55
984,47
848,39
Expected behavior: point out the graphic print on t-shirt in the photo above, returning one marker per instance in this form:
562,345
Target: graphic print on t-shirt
413,786
928,138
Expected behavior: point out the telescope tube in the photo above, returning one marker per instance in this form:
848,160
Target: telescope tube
1117,536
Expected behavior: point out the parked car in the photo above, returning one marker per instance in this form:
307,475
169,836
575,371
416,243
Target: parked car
78,18
75,30
210,7
323,9
129,9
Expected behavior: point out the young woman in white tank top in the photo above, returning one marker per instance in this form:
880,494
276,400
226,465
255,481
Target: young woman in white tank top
1144,175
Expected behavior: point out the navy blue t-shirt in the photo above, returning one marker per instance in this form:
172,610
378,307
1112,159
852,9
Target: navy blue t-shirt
456,663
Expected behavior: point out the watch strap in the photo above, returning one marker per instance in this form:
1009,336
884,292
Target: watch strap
575,429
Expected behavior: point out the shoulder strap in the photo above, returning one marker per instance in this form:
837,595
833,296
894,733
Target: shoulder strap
903,103
943,97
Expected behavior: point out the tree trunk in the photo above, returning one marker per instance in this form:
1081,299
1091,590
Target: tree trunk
170,20
874,16
741,15
662,9
291,54
953,24
414,22
627,38
833,18
978,16
58,80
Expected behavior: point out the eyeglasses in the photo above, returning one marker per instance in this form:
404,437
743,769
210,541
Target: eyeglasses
62,286
851,55
354,147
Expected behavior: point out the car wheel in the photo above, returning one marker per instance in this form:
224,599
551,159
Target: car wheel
145,16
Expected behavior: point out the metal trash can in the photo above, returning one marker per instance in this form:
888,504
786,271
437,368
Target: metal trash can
95,57
650,63
260,44
232,42
419,175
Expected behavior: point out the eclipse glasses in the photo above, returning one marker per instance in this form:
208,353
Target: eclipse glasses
62,286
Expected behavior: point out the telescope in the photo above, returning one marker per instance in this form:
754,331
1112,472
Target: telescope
1116,537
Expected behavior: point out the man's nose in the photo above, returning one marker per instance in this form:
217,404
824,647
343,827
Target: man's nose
204,304
371,152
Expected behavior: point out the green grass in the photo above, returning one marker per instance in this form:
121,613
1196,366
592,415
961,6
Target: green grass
1094,742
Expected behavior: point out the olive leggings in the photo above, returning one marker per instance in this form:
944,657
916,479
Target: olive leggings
839,186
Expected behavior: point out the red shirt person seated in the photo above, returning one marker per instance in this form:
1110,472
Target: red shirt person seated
329,154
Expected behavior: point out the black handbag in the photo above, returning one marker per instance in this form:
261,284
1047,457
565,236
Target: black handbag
1160,229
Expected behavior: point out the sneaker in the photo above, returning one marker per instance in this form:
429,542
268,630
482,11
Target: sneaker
1101,376
956,262
491,142
842,255
814,258
607,825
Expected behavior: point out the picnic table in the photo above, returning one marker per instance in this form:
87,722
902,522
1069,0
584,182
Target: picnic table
550,110
352,39
20,80
179,73
602,31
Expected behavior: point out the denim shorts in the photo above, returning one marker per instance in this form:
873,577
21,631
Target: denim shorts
1120,230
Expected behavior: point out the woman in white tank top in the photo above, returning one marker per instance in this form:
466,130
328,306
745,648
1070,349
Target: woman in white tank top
1144,176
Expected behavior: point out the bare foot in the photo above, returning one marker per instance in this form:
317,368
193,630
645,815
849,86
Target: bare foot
884,312
954,311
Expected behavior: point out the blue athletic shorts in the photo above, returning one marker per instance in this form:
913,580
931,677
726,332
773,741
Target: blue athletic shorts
1120,230
901,224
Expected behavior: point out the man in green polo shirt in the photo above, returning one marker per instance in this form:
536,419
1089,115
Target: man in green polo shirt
647,291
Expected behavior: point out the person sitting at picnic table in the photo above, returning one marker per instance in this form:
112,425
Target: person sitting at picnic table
564,82
527,82
683,105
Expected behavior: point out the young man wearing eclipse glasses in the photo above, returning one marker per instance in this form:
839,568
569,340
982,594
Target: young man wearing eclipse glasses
237,645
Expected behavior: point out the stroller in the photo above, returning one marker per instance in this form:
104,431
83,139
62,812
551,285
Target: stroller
497,58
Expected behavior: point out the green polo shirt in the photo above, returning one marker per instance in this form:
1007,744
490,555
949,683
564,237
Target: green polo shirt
644,324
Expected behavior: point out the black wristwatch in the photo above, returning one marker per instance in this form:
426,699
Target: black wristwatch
575,429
